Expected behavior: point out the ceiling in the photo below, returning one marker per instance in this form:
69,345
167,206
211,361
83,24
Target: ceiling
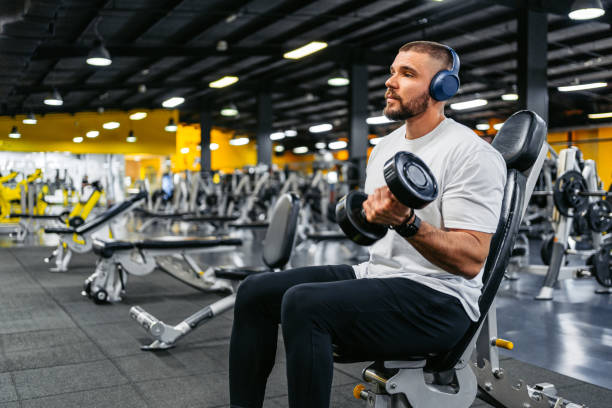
171,47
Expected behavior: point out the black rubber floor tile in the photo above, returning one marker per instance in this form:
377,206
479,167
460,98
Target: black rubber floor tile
10,405
123,396
118,339
88,313
21,351
587,394
43,382
7,389
194,391
147,366
24,315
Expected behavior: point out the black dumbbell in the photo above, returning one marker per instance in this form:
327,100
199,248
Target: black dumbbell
409,180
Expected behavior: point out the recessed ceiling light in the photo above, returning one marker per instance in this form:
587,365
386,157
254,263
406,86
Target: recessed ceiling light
229,110
111,125
323,127
92,134
184,150
337,145
305,50
320,145
497,126
291,133
223,82
279,148
483,126
603,115
277,136
138,115
468,104
510,97
300,150
239,141
582,87
214,146
78,139
173,102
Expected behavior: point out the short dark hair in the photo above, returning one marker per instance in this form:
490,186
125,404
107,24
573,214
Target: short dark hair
435,50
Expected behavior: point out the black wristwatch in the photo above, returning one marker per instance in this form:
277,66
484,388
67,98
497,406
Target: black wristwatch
408,230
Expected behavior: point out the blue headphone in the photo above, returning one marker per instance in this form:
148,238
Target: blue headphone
446,83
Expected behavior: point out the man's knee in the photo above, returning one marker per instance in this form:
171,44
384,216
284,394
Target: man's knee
300,302
251,290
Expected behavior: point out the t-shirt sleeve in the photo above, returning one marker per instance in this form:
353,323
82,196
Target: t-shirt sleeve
472,196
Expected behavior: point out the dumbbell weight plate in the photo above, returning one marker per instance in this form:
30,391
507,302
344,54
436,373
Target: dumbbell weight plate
602,267
353,224
565,193
598,216
410,180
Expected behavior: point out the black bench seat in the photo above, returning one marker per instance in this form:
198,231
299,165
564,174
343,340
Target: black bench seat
106,249
239,274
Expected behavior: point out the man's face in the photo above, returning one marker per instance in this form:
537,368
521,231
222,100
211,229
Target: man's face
407,93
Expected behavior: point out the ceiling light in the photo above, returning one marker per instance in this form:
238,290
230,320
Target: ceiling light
14,133
339,78
213,146
582,87
279,148
375,140
332,177
223,82
30,119
510,97
305,50
229,110
320,145
468,104
78,139
131,138
138,115
378,120
497,126
184,150
600,115
337,145
291,133
586,10
92,134
483,126
239,141
323,127
170,127
173,102
277,136
111,125
54,99
99,56
300,150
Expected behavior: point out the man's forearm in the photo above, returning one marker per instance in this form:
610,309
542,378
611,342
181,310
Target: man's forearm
456,251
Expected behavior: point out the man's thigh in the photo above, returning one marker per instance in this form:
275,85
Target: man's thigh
366,318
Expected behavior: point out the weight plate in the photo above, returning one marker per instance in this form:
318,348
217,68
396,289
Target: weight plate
566,193
602,267
410,180
352,222
598,216
580,224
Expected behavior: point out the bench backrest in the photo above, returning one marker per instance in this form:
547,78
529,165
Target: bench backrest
281,231
521,143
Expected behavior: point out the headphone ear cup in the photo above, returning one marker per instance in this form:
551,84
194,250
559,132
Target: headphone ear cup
444,85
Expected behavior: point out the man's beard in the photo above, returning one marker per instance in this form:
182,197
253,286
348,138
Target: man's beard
413,108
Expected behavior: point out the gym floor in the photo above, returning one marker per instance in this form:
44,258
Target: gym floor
59,349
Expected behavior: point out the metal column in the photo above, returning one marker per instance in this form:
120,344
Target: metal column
358,128
205,128
532,33
264,128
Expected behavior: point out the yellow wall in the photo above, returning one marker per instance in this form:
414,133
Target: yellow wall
54,132
588,141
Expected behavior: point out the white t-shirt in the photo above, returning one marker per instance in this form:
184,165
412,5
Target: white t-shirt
471,176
